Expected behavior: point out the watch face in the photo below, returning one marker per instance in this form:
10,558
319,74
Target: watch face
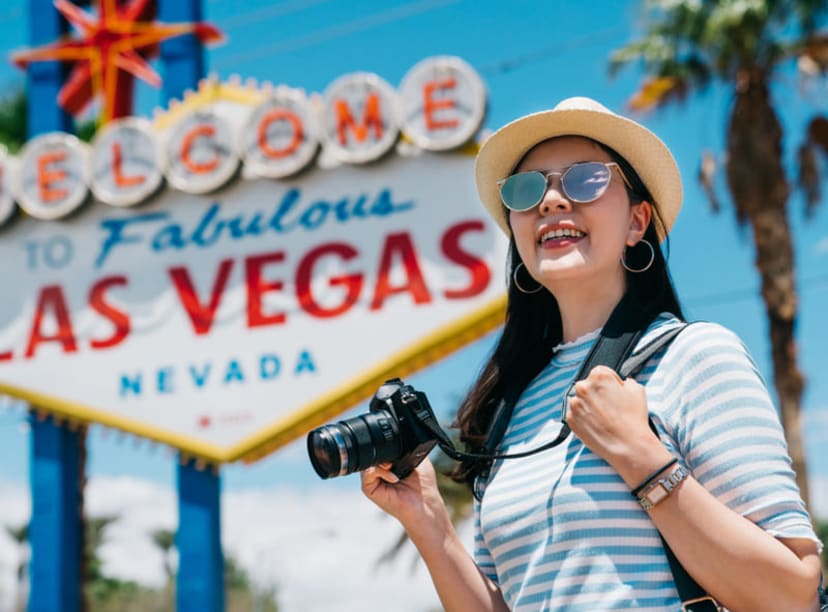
657,494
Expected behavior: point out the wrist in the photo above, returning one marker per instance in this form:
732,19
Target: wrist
658,488
433,537
430,526
654,477
639,464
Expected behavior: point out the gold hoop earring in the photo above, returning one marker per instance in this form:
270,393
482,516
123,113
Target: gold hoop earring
517,284
649,263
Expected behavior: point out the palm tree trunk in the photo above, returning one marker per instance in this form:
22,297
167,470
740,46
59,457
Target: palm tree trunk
84,553
760,190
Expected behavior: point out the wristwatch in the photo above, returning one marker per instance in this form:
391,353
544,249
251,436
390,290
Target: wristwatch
662,487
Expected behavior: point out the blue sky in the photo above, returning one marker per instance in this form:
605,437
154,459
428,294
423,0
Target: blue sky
530,55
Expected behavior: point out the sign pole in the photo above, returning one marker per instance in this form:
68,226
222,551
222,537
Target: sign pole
200,586
56,524
182,57
200,582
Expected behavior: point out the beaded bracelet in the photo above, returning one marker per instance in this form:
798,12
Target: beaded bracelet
652,477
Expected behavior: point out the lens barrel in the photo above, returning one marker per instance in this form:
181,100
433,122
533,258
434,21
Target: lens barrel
354,444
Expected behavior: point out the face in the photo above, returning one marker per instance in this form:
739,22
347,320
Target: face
559,240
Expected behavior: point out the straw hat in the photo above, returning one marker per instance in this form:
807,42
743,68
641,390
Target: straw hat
645,152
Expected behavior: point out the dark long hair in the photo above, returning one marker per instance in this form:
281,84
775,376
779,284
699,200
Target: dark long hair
533,327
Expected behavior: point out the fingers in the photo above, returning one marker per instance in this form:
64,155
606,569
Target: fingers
372,476
384,471
601,384
599,378
604,374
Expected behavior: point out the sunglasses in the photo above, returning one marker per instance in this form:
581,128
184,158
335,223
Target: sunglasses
581,183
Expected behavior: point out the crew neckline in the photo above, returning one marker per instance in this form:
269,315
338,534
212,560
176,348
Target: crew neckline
568,352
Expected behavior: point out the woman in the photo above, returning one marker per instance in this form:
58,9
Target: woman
586,196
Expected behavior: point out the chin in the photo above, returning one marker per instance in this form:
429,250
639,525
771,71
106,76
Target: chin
562,267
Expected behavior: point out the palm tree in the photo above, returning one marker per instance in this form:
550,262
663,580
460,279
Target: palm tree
165,540
814,142
96,585
743,44
13,113
20,535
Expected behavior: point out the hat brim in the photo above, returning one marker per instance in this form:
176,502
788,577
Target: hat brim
644,151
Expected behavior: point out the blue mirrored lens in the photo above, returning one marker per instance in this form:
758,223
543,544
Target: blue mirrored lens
586,182
522,191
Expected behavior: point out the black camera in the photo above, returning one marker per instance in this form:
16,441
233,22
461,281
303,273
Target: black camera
400,428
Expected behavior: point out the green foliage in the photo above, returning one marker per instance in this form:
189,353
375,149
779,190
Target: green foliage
113,595
93,538
692,40
19,534
13,118
165,540
234,576
242,595
86,130
106,594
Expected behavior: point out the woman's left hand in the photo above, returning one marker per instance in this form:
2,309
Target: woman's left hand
609,415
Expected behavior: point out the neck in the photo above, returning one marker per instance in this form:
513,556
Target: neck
586,307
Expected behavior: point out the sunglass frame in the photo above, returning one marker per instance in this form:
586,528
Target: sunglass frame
546,175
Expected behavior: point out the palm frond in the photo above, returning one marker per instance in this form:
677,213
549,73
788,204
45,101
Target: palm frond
814,53
20,534
809,177
708,169
693,40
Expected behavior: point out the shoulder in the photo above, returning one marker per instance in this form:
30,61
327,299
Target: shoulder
695,345
709,354
696,336
703,339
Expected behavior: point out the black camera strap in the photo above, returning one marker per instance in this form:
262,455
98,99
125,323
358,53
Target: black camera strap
616,341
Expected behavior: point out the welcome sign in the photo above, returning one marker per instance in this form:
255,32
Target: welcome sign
226,321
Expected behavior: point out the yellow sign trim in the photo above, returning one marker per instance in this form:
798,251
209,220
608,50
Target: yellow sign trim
429,349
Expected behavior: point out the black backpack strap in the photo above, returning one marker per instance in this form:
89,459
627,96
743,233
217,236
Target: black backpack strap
616,341
636,361
614,348
693,597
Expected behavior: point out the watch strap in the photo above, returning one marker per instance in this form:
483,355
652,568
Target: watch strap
660,489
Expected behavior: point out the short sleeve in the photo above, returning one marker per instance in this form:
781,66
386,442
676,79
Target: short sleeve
718,412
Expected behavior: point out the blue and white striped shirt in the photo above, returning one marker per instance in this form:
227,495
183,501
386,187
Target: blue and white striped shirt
559,530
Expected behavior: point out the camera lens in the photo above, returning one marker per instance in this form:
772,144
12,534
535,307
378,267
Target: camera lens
325,446
354,444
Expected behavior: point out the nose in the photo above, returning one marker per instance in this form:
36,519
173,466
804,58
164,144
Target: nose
554,199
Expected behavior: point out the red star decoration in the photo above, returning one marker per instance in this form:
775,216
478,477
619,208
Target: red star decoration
112,50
